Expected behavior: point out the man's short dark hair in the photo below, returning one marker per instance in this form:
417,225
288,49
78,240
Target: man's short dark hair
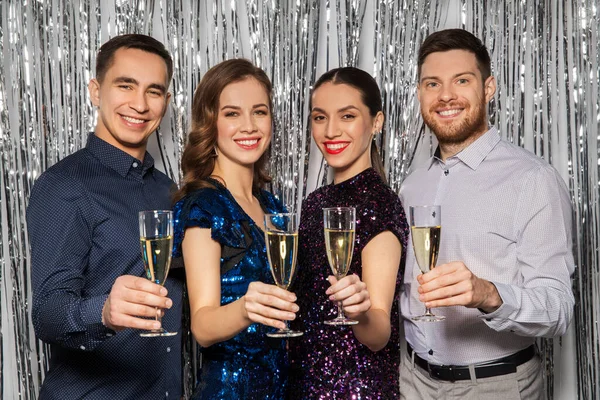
146,43
456,39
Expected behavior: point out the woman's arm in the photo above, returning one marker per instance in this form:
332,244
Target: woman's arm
213,323
370,301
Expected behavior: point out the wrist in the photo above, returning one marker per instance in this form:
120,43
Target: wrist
244,311
492,300
104,319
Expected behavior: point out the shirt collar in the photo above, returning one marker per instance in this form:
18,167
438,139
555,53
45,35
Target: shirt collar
476,152
115,158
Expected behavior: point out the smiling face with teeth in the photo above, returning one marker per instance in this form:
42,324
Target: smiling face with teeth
343,128
243,124
454,98
131,98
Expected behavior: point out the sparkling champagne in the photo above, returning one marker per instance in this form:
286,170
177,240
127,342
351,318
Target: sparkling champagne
426,243
282,249
156,253
339,244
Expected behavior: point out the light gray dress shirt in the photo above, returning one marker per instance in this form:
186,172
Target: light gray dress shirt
506,214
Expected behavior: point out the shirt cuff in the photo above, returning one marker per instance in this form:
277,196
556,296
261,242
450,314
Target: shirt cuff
508,307
91,316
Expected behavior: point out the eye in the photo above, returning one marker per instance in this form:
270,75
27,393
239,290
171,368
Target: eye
125,87
462,81
261,112
231,114
431,85
156,93
318,118
348,116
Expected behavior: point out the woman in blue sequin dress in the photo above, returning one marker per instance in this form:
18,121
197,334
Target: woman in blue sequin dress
358,362
218,220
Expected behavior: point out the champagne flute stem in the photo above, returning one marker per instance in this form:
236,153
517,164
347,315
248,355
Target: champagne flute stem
340,311
158,317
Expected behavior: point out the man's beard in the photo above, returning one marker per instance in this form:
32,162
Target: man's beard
474,122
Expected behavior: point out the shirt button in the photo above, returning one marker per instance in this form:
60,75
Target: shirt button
168,349
82,347
166,394
135,164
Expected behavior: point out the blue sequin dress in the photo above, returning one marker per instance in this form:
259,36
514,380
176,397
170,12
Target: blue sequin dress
250,365
328,362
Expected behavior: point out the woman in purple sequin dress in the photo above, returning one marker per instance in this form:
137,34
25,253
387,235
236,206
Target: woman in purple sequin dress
358,362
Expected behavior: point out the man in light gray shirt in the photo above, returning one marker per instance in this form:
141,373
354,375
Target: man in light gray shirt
505,260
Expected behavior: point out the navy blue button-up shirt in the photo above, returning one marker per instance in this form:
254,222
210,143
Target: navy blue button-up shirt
84,233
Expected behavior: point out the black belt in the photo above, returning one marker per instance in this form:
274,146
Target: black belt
501,366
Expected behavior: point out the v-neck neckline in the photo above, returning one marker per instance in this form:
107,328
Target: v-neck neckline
240,209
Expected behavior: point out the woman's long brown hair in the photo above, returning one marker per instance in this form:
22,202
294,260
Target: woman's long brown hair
199,154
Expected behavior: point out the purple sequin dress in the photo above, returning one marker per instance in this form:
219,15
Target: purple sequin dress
328,362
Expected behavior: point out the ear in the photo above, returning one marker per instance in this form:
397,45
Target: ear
378,123
94,90
489,88
167,101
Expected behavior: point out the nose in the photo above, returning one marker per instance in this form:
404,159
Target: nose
447,93
332,130
139,102
248,123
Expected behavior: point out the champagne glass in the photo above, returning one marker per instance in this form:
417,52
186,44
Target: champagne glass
426,229
156,242
340,226
281,237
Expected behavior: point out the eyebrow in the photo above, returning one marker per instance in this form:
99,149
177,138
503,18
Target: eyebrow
453,77
127,79
239,108
350,107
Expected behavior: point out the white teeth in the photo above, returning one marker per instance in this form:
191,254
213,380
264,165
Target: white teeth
248,142
133,120
448,113
336,146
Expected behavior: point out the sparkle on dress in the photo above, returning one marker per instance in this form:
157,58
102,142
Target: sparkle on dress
250,365
328,362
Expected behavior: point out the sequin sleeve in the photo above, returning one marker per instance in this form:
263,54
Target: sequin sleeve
381,211
211,209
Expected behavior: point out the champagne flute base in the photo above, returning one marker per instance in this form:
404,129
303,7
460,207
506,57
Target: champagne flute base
157,333
429,318
285,333
341,321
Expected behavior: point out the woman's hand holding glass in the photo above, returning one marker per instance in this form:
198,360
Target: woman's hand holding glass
269,305
352,293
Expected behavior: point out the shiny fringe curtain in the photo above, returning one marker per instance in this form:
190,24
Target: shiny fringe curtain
545,55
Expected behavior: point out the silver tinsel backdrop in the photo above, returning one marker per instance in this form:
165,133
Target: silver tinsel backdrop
545,54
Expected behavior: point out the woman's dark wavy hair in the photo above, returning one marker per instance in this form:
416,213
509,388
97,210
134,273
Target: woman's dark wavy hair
370,95
198,160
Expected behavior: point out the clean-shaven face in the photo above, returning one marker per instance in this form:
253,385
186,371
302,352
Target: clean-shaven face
343,128
244,122
131,99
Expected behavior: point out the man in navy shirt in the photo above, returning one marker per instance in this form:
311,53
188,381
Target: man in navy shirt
90,296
